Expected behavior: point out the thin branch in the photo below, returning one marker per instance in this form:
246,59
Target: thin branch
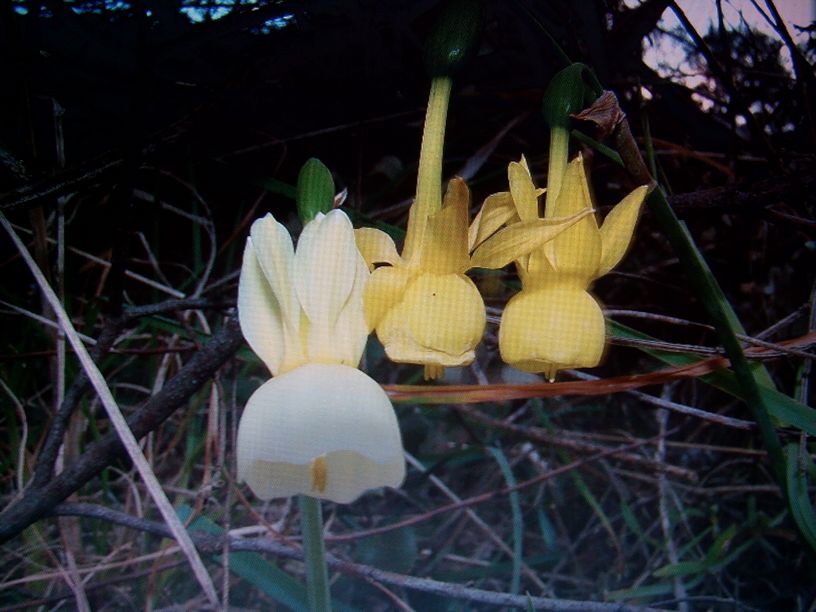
213,544
38,501
490,495
680,408
120,426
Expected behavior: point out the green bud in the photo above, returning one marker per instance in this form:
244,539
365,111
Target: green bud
453,37
315,190
566,95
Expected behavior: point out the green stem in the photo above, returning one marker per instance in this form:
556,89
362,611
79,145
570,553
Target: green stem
429,178
559,158
317,579
725,320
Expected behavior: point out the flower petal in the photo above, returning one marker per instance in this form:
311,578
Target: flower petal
323,430
351,331
259,312
274,252
444,247
618,228
520,239
525,194
383,291
325,266
539,271
496,210
376,246
440,320
551,329
577,251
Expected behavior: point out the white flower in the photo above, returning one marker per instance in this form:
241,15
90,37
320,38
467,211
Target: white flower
325,430
320,427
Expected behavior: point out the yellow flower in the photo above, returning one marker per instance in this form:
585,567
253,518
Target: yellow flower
421,305
554,322
320,427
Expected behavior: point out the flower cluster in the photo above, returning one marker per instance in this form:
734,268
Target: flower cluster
323,428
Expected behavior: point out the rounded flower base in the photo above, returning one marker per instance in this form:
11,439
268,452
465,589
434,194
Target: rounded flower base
439,321
551,329
324,430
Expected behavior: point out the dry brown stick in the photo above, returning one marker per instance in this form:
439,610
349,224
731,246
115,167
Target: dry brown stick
213,544
36,502
540,435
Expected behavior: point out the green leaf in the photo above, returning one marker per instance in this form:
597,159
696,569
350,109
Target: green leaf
783,408
683,568
643,592
547,530
518,521
273,185
720,546
797,466
394,551
716,556
315,190
256,570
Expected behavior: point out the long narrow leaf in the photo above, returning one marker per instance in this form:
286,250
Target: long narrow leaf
518,521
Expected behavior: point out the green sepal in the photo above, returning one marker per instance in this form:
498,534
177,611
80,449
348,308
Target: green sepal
453,37
315,190
566,94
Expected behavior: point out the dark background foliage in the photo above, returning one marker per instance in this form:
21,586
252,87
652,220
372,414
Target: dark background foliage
125,113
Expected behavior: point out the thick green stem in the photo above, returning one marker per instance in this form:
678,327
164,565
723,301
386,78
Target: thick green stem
429,179
317,578
559,158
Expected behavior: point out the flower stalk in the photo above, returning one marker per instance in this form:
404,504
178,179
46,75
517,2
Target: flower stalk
429,175
314,552
557,165
564,97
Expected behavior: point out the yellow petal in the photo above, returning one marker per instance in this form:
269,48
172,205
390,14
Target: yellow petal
376,246
618,228
496,210
323,430
383,291
520,239
538,270
525,194
439,320
551,329
576,252
444,247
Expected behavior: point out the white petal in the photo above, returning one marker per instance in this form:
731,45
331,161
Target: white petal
259,312
333,416
325,268
351,329
273,248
